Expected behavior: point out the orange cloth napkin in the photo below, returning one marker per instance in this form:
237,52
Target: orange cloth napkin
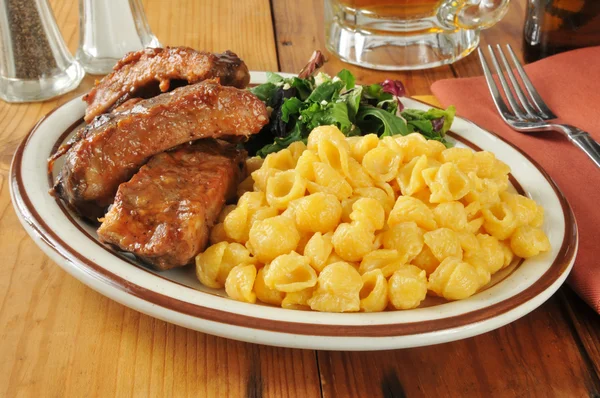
570,84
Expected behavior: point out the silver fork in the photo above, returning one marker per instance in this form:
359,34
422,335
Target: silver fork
529,114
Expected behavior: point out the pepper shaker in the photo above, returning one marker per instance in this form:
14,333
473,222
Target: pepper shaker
109,29
35,63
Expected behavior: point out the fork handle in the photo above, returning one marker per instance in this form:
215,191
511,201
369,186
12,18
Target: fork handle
586,143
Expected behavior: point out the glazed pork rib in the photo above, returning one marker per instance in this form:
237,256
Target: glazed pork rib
164,213
111,149
150,71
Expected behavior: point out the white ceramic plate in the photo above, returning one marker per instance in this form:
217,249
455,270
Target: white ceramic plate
176,296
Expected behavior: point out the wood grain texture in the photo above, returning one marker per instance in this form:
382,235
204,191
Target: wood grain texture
59,338
586,324
534,356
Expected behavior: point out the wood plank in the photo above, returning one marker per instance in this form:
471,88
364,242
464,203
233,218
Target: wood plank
299,32
534,356
245,27
207,25
60,338
74,342
586,323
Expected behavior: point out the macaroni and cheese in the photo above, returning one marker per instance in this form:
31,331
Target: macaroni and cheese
366,224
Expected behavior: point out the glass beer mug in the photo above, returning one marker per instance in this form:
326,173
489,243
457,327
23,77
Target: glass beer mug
407,34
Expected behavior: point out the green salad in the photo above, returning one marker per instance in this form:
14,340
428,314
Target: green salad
298,105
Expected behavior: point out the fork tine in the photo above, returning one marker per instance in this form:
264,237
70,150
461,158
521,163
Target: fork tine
516,87
533,94
496,97
517,110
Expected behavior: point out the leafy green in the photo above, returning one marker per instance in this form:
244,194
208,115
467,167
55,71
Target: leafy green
424,126
373,119
352,100
326,91
448,115
304,87
375,92
265,92
414,115
291,106
331,114
281,143
347,78
389,105
274,78
299,105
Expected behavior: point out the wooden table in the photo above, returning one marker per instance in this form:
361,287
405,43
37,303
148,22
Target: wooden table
59,338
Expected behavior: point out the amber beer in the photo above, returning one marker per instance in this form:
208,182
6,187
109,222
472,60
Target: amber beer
554,26
402,9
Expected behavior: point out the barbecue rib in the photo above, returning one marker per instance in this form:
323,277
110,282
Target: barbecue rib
149,72
164,213
111,149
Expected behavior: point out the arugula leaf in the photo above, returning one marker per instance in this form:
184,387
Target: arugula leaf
412,114
291,106
337,114
448,116
432,114
423,126
307,113
265,92
375,92
304,86
281,143
274,78
334,113
371,119
327,92
390,105
347,78
352,99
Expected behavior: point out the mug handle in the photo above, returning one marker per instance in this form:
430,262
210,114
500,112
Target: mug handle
472,14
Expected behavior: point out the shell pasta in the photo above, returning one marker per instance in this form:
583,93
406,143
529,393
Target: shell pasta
348,224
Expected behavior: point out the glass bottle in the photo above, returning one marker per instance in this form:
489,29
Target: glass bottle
553,26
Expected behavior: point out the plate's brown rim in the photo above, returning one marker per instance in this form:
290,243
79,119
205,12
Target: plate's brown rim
564,258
